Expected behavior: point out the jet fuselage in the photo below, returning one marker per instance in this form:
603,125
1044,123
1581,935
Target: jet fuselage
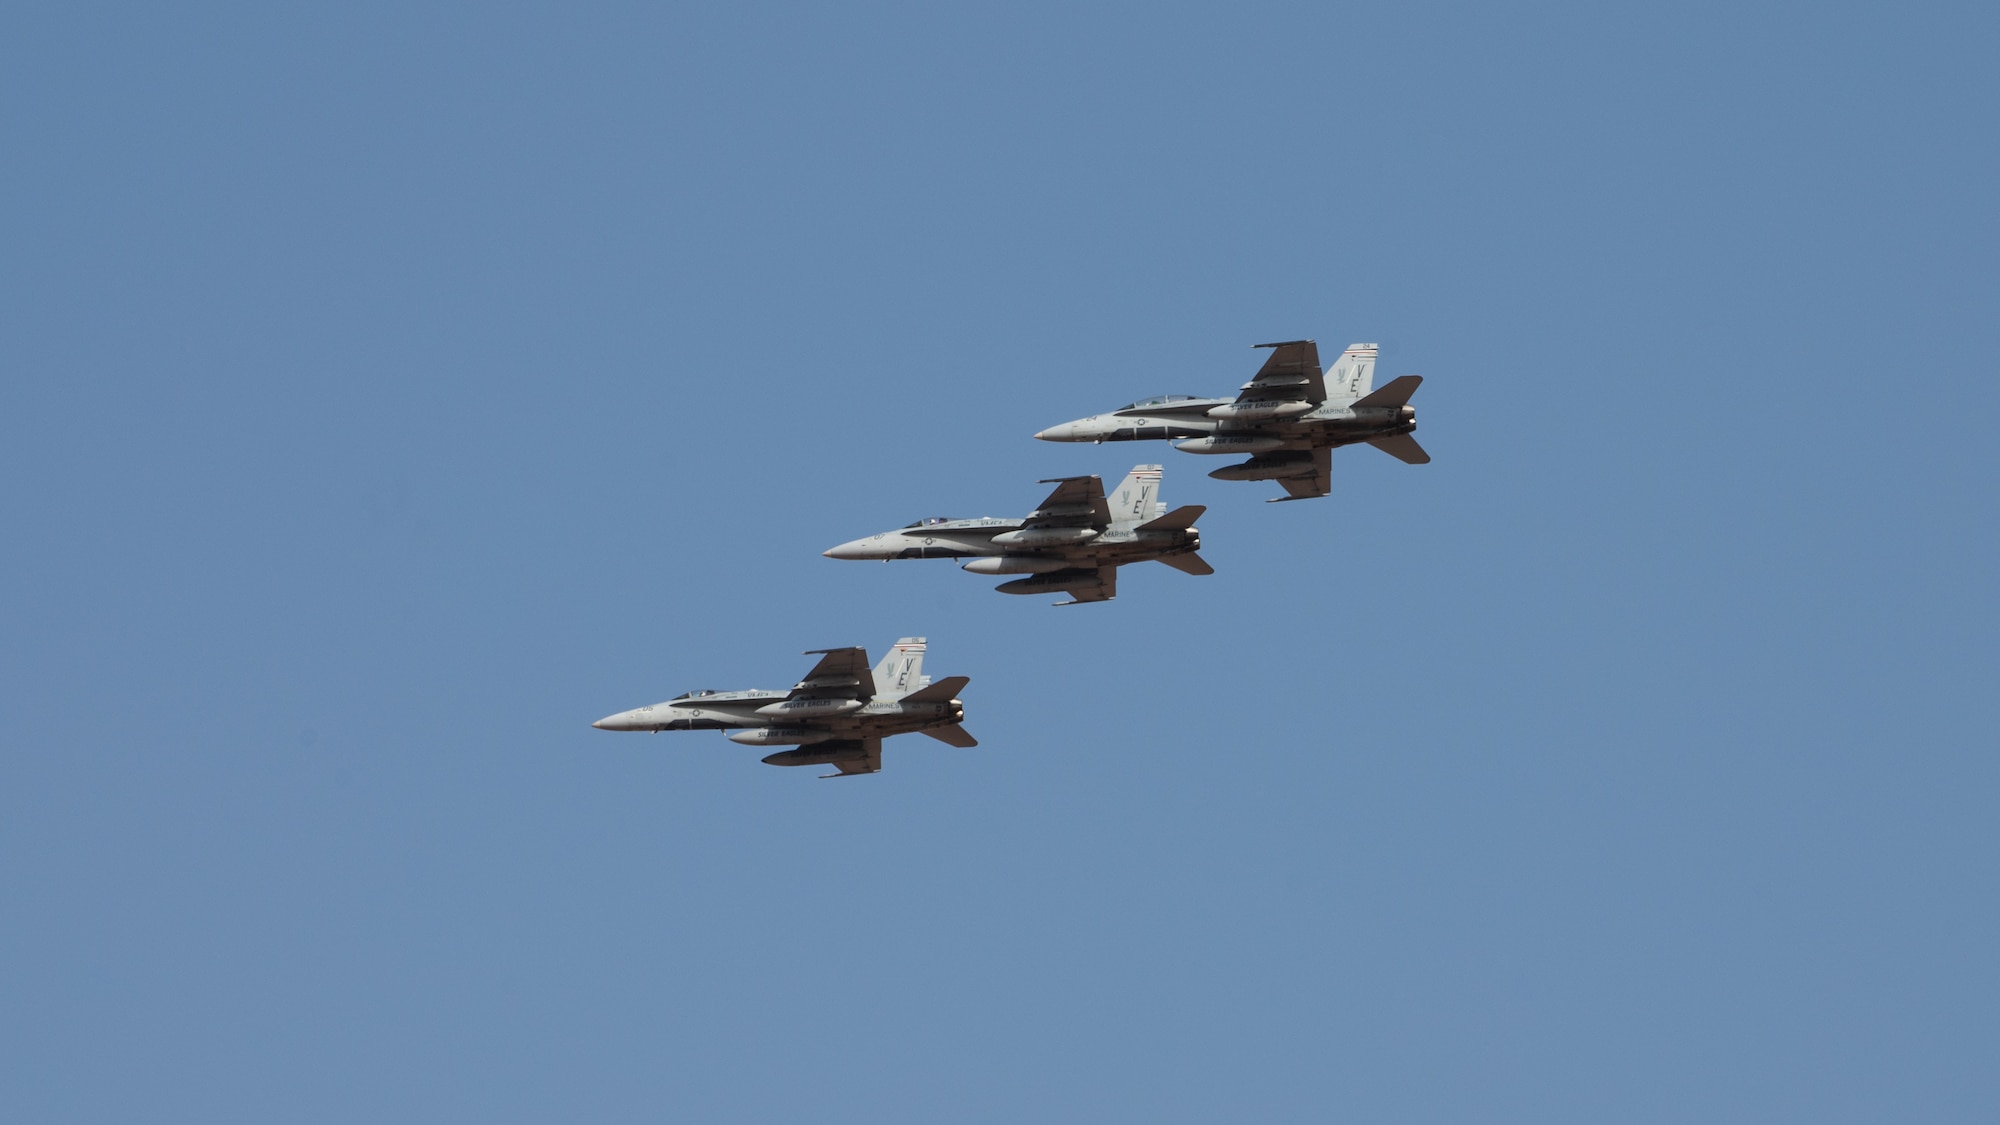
1035,549
1192,426
769,719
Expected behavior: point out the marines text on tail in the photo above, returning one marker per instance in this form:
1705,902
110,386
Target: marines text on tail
1074,542
1288,418
838,715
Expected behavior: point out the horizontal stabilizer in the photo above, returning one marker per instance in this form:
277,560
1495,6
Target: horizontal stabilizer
1190,562
953,735
1402,447
942,691
1180,519
1395,392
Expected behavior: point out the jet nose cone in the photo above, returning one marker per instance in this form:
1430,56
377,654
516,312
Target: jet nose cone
855,549
1082,429
614,722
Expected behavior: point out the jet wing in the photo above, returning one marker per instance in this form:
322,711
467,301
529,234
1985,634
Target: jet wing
842,673
869,760
1291,374
1105,589
1076,502
1307,486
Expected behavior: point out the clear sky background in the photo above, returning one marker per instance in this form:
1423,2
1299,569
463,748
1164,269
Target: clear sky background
389,390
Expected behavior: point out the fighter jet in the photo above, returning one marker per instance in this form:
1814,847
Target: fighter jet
1074,542
1289,418
838,715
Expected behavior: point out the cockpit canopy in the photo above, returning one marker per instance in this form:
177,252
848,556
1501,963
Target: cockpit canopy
931,522
694,694
1158,400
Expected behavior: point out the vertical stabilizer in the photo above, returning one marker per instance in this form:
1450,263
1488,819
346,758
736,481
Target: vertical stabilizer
901,671
1353,374
1137,498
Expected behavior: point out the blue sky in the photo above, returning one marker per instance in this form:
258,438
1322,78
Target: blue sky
391,390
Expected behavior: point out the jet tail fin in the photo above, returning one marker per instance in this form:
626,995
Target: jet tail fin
1402,447
954,735
902,669
1137,497
1190,563
1180,519
1353,374
1395,392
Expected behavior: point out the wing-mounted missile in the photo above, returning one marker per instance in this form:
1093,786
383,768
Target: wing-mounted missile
811,708
1033,537
1237,444
1015,564
1262,410
779,736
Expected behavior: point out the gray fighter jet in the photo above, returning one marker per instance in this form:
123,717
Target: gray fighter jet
1074,542
1289,418
838,715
